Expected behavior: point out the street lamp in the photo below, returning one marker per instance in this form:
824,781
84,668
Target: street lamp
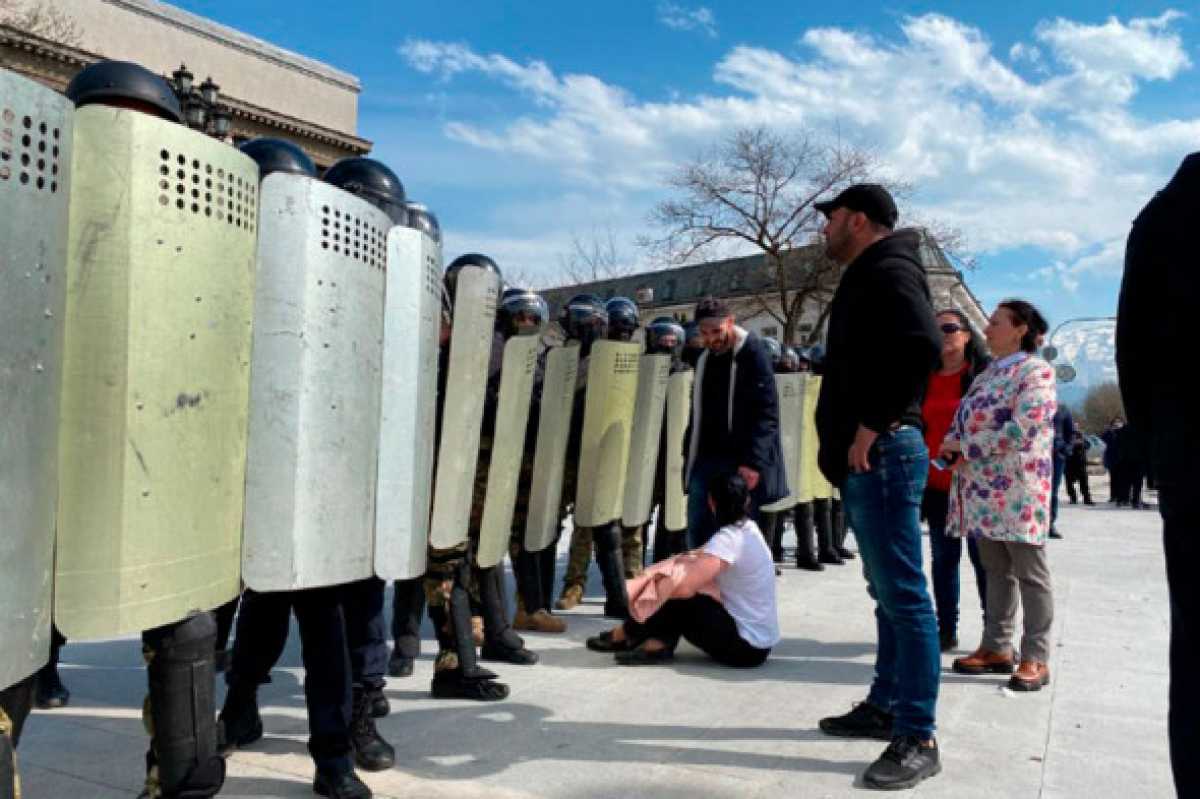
202,106
1065,372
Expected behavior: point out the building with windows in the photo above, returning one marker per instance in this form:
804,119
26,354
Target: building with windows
269,91
753,290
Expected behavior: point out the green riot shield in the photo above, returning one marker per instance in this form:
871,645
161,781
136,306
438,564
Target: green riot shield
152,447
679,413
649,407
808,439
607,429
35,172
462,410
790,387
549,458
508,445
822,488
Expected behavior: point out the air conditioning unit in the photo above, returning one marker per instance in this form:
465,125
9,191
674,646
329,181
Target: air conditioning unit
644,295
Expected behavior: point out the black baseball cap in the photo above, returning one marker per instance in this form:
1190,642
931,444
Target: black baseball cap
870,199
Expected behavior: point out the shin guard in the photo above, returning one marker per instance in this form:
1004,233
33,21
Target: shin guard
612,569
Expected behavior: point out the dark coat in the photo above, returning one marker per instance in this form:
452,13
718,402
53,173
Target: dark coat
882,345
1154,326
754,418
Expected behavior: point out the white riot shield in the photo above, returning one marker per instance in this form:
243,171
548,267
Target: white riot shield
35,170
412,322
314,405
152,449
649,408
791,404
550,454
808,439
679,413
476,292
607,430
508,445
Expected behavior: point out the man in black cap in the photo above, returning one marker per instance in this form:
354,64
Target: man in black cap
735,418
882,345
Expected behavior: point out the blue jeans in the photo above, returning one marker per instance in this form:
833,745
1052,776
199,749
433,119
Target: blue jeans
883,507
946,554
701,522
1060,466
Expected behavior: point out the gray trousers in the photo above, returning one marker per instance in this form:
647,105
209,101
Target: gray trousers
1017,573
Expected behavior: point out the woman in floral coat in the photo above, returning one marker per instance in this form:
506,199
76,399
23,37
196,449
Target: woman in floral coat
1000,445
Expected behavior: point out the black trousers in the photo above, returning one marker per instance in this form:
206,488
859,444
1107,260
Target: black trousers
366,632
703,622
1180,511
262,630
1077,476
408,606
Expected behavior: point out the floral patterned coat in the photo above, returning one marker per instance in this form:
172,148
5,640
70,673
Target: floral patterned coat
1005,426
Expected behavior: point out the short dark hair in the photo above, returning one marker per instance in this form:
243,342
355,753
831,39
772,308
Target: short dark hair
1023,313
729,495
976,350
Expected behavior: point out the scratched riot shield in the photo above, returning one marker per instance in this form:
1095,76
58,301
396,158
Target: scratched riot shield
550,454
649,409
607,432
409,404
789,387
314,411
35,189
508,445
679,413
476,293
152,448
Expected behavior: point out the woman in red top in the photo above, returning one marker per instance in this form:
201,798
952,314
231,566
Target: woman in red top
963,357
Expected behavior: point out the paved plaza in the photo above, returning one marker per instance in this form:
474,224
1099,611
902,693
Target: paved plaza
578,727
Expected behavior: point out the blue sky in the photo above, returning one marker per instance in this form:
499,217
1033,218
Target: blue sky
1039,129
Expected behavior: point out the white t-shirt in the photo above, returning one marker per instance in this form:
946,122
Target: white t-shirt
748,584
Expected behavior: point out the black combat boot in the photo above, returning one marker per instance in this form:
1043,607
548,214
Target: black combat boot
806,542
823,522
500,641
612,570
371,752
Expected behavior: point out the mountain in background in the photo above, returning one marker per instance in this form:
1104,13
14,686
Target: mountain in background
1089,347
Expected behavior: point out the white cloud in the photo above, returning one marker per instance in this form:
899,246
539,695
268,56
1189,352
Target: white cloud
682,18
1057,157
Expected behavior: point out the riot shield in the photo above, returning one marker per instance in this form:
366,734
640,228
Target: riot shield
789,387
808,438
822,488
649,408
607,427
462,408
412,321
508,445
35,187
679,413
550,455
314,408
152,449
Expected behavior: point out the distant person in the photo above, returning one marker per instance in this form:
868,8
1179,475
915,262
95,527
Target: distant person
1000,447
882,345
1112,458
1064,433
963,357
1156,311
1076,470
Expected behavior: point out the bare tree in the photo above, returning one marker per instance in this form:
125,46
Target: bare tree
757,189
41,19
596,256
1100,405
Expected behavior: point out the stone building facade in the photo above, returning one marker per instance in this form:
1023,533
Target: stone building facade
269,91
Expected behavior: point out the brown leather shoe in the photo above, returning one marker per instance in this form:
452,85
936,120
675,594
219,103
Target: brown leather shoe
538,622
1030,676
984,661
572,595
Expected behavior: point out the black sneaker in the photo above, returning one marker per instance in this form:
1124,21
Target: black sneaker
371,752
864,721
907,761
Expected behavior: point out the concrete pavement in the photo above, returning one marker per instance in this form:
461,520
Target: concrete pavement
579,727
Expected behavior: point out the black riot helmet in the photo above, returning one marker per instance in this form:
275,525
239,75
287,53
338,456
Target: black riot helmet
803,360
373,182
789,361
277,155
584,319
521,312
623,319
664,336
774,351
463,261
422,219
693,344
123,84
816,357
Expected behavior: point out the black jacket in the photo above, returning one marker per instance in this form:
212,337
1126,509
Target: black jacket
755,419
883,343
1154,325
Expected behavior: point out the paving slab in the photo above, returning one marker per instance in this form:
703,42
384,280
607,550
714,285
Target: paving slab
578,727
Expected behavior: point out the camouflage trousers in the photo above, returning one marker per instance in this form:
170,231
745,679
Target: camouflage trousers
579,557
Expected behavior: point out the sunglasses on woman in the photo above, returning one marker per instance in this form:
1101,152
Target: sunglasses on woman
951,328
